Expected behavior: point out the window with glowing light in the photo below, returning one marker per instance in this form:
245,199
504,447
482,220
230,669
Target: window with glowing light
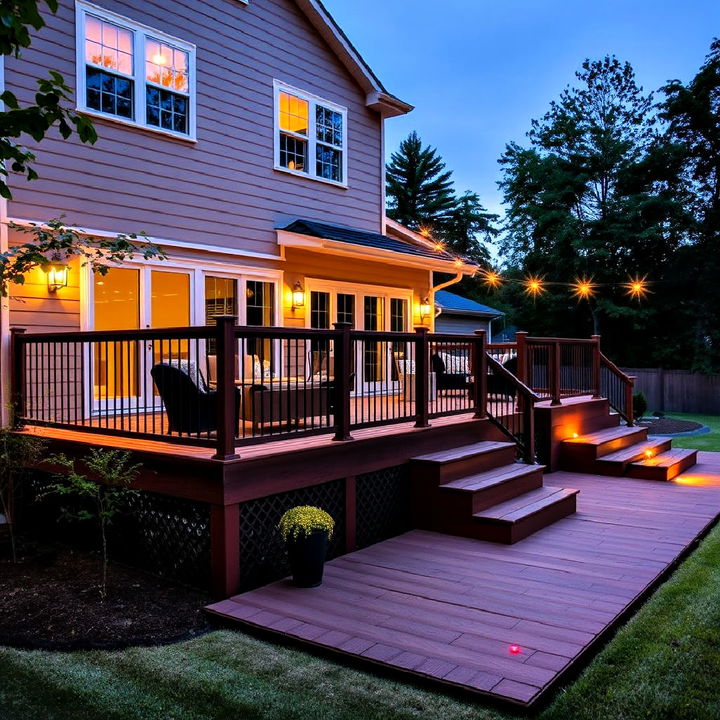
134,73
310,135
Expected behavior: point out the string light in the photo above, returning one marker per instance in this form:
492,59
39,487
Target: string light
425,231
492,278
584,288
636,287
439,246
534,286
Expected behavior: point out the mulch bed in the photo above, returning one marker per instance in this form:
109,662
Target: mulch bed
668,425
50,600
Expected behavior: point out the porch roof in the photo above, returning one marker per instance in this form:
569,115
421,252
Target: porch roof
378,242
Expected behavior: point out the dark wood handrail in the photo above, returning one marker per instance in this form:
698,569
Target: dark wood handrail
624,409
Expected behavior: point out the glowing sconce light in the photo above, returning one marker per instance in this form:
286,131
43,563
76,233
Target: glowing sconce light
534,286
57,277
636,287
298,296
584,288
425,309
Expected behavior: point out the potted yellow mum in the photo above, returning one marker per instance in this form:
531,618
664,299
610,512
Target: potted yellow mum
306,531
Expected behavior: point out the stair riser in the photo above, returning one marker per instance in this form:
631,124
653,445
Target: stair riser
453,504
575,454
651,472
439,474
618,468
509,533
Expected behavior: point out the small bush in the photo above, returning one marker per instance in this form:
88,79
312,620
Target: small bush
639,405
302,520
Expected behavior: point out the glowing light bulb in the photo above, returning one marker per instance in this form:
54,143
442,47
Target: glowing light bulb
649,454
534,286
159,59
493,278
575,435
439,246
515,649
636,287
584,288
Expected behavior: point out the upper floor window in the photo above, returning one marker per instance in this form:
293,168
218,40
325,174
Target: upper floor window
133,73
310,135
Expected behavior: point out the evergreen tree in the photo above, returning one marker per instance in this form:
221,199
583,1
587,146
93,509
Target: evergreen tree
592,196
419,189
469,228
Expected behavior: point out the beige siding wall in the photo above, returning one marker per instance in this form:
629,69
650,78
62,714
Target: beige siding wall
221,190
301,264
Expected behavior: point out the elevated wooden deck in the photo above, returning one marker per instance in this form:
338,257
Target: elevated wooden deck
506,622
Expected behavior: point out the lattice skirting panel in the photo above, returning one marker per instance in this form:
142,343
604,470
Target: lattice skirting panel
262,552
382,504
164,535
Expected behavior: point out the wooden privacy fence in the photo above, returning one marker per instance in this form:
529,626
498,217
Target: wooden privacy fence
678,390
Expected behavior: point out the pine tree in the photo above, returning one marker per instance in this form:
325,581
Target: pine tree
419,189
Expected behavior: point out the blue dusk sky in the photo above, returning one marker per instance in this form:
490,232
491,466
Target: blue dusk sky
477,71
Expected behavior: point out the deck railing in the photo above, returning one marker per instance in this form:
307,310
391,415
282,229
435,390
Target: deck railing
226,386
617,387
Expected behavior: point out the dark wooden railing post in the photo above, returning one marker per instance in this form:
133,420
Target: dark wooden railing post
596,366
17,376
528,411
226,346
479,373
342,385
554,361
522,358
630,410
422,378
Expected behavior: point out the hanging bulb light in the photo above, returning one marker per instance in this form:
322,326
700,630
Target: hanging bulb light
492,278
636,287
534,286
584,288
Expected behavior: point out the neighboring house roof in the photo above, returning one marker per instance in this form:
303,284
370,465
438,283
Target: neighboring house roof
373,241
452,304
378,98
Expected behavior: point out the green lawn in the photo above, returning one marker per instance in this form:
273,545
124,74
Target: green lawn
665,663
710,441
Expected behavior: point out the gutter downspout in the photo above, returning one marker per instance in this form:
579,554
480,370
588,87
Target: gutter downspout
441,286
4,302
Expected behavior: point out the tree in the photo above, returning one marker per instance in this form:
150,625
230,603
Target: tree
54,242
107,488
468,229
17,18
592,196
419,189
692,114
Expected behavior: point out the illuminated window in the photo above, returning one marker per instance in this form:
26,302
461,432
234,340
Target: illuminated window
310,136
134,73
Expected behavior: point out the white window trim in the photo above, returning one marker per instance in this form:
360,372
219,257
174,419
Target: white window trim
312,100
358,290
139,31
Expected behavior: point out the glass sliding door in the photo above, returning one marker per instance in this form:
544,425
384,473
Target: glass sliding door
116,307
374,360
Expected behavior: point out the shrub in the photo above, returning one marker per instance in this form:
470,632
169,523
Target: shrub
302,520
639,404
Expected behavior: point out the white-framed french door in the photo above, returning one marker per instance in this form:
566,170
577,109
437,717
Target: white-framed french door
366,307
156,295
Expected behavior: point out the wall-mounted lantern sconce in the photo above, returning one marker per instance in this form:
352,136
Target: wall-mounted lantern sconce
57,277
425,309
298,296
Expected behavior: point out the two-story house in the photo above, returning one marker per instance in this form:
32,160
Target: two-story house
245,137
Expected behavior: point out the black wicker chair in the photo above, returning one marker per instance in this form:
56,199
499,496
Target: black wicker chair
499,385
191,407
446,380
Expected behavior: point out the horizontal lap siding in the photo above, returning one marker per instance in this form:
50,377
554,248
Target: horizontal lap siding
221,190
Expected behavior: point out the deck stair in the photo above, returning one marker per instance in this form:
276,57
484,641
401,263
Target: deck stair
479,491
625,451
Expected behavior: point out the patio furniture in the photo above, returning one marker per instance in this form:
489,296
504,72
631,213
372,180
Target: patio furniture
500,386
450,373
190,405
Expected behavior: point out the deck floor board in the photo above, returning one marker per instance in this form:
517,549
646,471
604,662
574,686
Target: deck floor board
447,609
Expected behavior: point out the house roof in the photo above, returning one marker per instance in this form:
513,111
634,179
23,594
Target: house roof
373,241
453,304
378,98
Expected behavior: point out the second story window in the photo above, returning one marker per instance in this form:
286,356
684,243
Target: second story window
134,73
310,136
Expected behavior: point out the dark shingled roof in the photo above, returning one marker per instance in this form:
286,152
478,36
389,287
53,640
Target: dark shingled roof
457,304
364,238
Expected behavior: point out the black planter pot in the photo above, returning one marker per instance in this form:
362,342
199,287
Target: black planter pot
307,558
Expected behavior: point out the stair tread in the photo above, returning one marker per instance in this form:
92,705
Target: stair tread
524,505
668,458
630,453
462,452
490,478
607,435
